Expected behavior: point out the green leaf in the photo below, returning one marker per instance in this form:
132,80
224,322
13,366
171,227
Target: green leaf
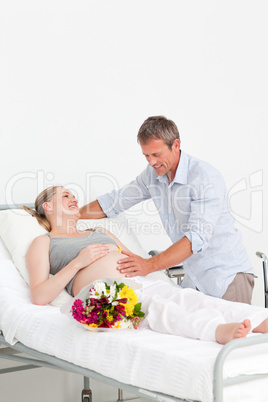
137,310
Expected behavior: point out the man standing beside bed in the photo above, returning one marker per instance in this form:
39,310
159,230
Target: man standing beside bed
192,201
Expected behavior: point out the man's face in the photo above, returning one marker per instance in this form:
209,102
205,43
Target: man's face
163,159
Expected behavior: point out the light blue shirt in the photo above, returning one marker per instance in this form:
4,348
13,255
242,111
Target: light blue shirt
195,205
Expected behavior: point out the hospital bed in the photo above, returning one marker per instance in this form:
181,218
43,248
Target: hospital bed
154,366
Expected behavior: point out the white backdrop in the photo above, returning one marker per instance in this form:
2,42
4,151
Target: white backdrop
78,78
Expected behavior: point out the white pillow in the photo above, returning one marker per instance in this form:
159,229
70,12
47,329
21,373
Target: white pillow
4,253
18,229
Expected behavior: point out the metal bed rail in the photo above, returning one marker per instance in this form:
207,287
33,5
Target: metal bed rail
3,207
265,274
219,383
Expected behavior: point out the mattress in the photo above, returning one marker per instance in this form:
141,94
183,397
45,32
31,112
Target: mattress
168,364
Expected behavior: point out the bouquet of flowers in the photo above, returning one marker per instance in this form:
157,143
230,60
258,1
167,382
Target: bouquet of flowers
109,306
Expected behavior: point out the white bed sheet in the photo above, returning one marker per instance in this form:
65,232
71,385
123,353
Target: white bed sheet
164,363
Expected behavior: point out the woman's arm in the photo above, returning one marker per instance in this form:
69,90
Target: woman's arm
45,289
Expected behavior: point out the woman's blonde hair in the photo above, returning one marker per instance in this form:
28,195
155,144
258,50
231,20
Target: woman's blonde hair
39,213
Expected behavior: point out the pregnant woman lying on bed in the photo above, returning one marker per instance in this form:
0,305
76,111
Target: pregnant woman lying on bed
76,258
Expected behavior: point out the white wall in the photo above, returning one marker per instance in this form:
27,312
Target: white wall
77,79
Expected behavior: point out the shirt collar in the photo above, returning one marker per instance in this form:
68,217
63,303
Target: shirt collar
181,174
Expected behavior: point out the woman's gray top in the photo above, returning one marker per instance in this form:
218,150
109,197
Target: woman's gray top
65,249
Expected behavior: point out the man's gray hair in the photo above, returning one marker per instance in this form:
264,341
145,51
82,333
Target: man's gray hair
158,128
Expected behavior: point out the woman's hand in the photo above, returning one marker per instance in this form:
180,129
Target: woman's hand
90,254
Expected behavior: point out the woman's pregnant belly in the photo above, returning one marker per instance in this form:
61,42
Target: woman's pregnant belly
104,267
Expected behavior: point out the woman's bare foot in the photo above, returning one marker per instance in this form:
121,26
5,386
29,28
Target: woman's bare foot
262,328
227,332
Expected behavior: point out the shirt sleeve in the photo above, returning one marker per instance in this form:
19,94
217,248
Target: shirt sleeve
207,203
117,201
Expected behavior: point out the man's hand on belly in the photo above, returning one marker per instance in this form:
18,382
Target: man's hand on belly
134,265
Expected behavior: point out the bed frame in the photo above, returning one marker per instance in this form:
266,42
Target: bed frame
265,275
37,359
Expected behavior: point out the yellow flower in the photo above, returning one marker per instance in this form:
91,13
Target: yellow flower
109,318
129,294
129,307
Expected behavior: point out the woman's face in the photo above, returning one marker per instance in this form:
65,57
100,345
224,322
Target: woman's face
63,204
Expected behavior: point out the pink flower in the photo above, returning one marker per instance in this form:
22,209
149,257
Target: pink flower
77,310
